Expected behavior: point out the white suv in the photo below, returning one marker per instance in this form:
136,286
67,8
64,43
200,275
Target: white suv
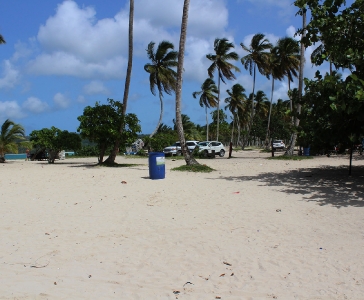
175,149
208,146
278,144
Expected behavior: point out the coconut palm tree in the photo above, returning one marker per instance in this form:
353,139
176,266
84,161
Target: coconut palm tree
235,102
220,62
9,135
2,40
115,150
182,42
161,74
257,57
292,143
208,98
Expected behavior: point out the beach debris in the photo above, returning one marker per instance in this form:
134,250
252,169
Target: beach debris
124,182
47,233
55,283
226,263
232,274
217,297
222,275
89,276
278,210
188,282
176,292
236,193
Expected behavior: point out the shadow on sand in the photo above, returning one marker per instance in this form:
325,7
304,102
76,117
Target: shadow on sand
324,185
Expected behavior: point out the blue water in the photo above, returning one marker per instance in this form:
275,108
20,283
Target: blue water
15,156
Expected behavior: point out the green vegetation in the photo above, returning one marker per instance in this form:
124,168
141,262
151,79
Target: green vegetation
11,136
100,125
194,168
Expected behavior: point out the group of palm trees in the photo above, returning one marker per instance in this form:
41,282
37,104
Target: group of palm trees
275,62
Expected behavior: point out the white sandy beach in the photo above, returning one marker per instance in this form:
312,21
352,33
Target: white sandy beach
253,229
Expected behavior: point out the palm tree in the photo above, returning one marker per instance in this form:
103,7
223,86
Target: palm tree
189,128
220,62
292,143
277,71
2,40
161,74
208,99
112,156
182,42
235,102
261,107
257,58
10,133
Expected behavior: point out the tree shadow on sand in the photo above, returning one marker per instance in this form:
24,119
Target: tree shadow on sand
324,185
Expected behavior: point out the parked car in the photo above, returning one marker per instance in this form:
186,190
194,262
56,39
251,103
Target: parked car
175,149
207,147
278,144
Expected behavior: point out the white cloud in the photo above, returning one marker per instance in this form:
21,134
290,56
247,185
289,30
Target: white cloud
10,110
81,99
95,87
291,31
61,101
35,105
10,77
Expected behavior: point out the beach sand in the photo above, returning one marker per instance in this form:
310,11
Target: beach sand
253,229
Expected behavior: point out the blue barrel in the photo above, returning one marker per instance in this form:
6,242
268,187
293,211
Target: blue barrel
157,165
306,151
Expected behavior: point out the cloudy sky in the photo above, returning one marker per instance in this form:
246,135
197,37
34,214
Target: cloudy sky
61,56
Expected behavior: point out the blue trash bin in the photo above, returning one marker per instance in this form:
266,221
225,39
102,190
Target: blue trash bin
306,151
157,166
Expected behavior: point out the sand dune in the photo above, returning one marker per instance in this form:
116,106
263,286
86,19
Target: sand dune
253,229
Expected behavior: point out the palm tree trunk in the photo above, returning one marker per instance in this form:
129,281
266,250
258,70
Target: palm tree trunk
270,111
207,125
160,116
188,157
290,148
252,113
218,109
115,150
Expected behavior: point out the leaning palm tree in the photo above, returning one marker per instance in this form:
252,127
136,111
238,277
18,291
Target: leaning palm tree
161,74
208,98
257,57
182,43
115,150
220,62
9,135
235,102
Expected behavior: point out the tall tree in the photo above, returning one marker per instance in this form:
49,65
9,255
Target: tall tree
257,57
9,135
235,102
112,156
290,148
181,54
161,74
220,62
208,98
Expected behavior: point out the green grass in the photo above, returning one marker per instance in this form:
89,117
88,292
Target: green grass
283,157
194,168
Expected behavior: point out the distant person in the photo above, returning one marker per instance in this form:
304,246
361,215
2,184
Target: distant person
28,154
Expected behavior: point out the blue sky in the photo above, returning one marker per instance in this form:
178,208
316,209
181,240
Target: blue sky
61,56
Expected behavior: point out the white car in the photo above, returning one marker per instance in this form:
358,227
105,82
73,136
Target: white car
175,149
278,144
207,147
